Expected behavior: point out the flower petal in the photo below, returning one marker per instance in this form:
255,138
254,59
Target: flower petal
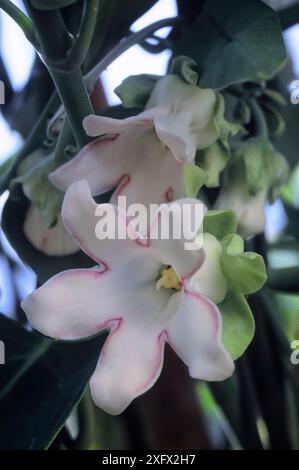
67,306
79,214
194,333
81,302
173,131
172,247
52,241
183,116
135,162
99,162
97,125
209,280
157,176
129,364
248,209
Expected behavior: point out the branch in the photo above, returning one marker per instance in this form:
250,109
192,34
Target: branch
126,44
284,279
77,54
54,38
21,19
55,42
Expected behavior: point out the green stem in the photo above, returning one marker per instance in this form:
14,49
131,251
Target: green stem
75,100
64,139
78,52
54,37
55,42
258,115
21,19
285,244
284,279
124,45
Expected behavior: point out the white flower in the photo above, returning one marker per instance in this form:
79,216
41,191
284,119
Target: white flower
143,156
248,208
256,175
209,280
142,293
52,241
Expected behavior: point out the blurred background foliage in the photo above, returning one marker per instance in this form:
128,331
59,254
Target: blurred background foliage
44,402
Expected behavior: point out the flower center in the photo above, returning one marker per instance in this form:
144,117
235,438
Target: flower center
169,280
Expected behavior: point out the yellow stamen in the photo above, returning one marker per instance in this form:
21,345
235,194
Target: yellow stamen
169,280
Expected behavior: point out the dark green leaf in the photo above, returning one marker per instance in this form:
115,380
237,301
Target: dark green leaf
51,4
40,384
234,41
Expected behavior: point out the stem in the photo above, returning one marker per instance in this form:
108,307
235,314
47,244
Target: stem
284,279
259,118
124,45
78,52
64,139
21,19
9,91
55,41
75,100
54,37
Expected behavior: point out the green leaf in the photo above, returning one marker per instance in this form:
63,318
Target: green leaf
33,176
234,41
186,69
135,90
237,324
40,384
220,223
34,141
233,244
213,160
51,4
44,266
264,166
194,178
245,272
